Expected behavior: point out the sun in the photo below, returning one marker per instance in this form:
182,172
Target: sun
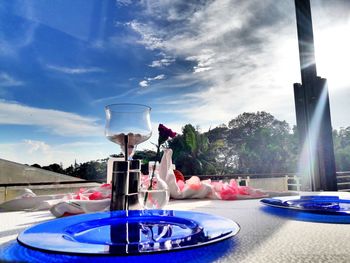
332,52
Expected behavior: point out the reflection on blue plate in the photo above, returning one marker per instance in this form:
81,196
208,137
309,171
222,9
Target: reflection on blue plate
317,208
318,204
128,232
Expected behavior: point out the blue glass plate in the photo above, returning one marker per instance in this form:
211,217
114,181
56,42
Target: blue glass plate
322,204
128,232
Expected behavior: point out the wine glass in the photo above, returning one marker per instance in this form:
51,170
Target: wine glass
128,125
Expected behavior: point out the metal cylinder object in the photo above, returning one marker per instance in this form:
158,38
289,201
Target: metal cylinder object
134,181
120,185
125,183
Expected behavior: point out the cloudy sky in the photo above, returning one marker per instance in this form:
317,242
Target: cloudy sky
199,62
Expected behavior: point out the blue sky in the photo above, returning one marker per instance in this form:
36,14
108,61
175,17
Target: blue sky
199,62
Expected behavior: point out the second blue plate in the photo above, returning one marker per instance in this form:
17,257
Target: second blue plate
128,232
321,204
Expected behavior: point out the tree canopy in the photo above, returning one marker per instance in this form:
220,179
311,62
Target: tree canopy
261,144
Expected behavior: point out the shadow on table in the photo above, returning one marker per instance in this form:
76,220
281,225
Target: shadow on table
14,252
6,233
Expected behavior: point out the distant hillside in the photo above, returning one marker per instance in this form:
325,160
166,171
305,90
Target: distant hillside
12,173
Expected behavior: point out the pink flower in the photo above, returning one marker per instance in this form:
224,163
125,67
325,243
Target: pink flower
80,194
107,186
217,186
228,192
194,183
244,190
181,185
233,184
96,196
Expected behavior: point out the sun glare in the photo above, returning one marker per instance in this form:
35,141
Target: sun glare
332,51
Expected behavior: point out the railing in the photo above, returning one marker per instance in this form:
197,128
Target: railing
227,177
264,181
293,183
274,182
343,181
291,180
53,183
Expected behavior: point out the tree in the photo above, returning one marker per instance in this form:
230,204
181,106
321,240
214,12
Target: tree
145,155
55,167
341,141
92,170
220,150
261,144
69,170
191,153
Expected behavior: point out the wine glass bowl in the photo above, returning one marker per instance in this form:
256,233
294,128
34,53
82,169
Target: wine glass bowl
128,123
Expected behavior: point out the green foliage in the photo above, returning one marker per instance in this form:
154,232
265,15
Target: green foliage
190,138
261,144
146,156
92,170
341,140
53,168
191,152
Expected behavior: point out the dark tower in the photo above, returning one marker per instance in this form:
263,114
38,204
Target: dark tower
313,112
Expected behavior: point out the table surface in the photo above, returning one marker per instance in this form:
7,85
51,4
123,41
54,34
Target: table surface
264,236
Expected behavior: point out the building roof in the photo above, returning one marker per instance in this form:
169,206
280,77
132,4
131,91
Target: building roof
16,173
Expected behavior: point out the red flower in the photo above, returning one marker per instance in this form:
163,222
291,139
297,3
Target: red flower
179,175
164,134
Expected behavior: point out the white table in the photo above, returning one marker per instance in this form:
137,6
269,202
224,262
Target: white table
263,237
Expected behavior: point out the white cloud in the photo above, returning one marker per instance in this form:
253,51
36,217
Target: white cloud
165,61
32,151
244,56
69,70
8,81
159,77
36,146
11,44
54,121
148,38
204,60
124,2
144,83
161,63
119,96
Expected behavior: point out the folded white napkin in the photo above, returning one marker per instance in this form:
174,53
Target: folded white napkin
85,201
73,207
195,188
27,200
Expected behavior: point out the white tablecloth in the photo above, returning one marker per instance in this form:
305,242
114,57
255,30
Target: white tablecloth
263,237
